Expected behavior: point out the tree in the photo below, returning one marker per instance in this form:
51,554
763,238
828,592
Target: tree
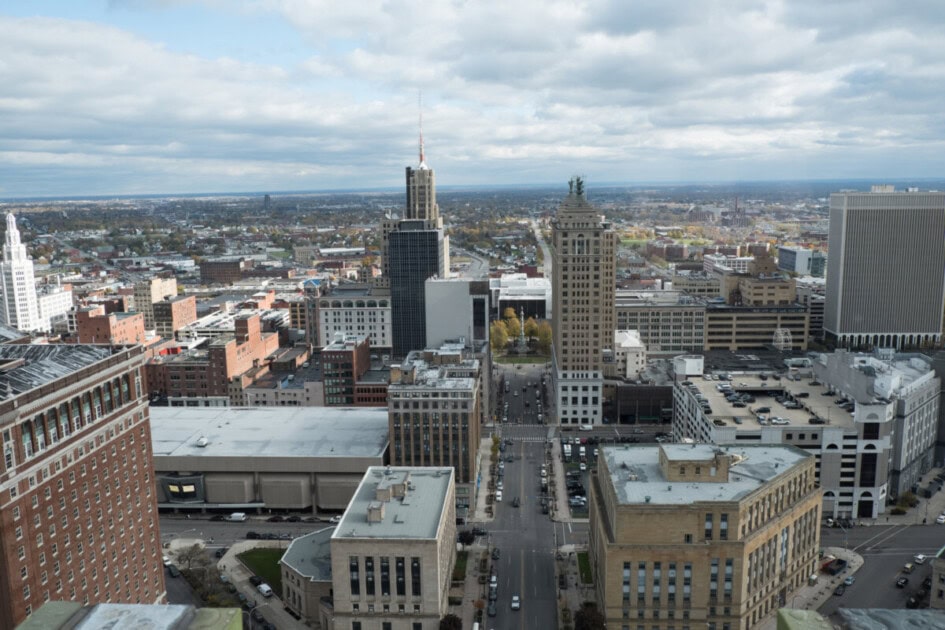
544,337
531,327
451,622
589,618
498,336
512,326
193,555
508,313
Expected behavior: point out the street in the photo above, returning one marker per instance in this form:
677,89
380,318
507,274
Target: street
885,549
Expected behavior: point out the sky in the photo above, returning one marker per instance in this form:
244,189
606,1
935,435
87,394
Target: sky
103,97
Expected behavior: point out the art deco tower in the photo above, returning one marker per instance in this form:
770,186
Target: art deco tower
583,299
19,308
413,250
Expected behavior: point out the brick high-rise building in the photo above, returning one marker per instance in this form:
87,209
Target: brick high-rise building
78,514
172,314
583,307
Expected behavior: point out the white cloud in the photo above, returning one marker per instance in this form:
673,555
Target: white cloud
514,89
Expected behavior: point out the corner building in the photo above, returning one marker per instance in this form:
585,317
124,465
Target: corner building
695,536
392,554
583,307
78,519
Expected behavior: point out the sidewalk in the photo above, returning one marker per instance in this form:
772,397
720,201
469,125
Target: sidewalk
812,597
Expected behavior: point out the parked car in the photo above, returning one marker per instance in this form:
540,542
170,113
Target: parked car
173,570
335,519
218,517
491,611
495,553
275,519
840,590
902,582
255,580
265,590
295,518
252,536
849,581
220,552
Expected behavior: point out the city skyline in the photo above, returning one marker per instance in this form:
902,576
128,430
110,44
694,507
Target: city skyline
151,97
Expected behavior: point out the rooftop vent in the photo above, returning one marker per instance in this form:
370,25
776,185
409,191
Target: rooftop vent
202,442
647,499
375,512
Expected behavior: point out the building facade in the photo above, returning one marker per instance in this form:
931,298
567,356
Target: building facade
690,535
456,308
668,322
416,252
876,238
434,404
869,421
20,309
521,293
393,552
344,362
78,516
93,325
150,291
355,309
584,285
172,314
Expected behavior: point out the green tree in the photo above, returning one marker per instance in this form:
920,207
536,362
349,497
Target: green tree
589,618
531,328
498,336
451,622
544,337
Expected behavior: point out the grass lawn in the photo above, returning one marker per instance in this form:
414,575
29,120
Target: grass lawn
459,571
584,566
264,562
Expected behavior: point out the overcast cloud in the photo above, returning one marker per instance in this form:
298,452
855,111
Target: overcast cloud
166,96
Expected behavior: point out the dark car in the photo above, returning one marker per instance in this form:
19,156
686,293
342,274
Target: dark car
495,553
257,615
217,517
491,609
173,570
763,410
311,519
255,580
478,531
902,582
275,519
252,536
840,590
293,519
927,583
516,502
220,552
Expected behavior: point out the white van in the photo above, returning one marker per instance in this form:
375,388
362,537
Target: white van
236,517
586,427
265,590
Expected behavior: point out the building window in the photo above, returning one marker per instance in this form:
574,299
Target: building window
385,577
401,577
723,527
708,526
415,577
369,575
355,577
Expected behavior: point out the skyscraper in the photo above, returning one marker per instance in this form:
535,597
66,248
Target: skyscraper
886,277
18,288
413,249
583,306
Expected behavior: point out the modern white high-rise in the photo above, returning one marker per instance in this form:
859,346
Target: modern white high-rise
583,297
886,278
18,288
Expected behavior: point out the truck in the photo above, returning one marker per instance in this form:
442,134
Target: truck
567,452
583,453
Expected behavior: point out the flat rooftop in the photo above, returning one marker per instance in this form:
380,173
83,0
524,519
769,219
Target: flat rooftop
278,432
637,478
812,395
415,516
24,367
310,555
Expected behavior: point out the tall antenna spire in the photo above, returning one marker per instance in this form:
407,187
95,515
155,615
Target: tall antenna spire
420,108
